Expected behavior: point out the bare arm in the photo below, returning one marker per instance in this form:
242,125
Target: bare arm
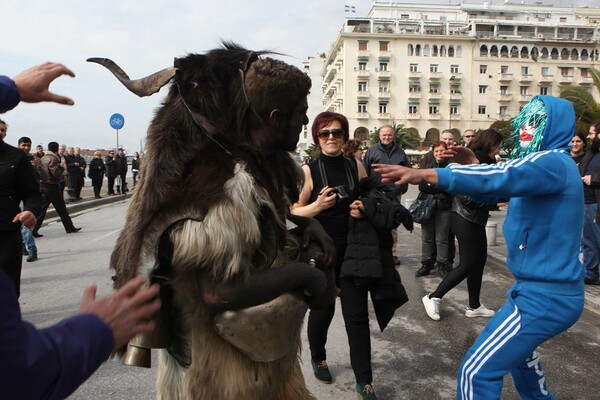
323,201
400,175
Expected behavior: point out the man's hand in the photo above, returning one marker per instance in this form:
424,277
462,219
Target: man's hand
587,179
312,231
34,82
128,311
461,155
26,218
399,175
355,208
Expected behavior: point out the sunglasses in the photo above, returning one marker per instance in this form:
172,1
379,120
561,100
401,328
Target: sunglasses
325,133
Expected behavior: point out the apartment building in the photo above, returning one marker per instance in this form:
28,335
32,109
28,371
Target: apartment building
432,67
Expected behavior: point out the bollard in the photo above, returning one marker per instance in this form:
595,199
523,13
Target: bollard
491,231
408,203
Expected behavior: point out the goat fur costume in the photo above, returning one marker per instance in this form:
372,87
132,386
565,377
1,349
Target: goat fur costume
209,202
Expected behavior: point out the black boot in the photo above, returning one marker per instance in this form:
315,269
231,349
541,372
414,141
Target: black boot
444,269
425,269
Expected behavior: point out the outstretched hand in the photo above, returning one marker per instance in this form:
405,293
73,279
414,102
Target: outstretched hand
399,175
127,311
461,155
33,83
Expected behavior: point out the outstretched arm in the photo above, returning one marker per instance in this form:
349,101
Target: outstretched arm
400,175
33,83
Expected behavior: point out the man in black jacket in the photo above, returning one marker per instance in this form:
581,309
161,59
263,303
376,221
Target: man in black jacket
121,162
17,183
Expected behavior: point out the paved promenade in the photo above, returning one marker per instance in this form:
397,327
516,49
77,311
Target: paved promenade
497,251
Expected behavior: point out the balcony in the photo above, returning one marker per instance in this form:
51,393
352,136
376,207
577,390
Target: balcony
331,72
414,75
526,78
363,73
362,115
505,77
435,96
435,76
385,55
414,95
455,96
525,98
434,116
384,75
546,79
413,116
363,94
586,81
457,76
566,80
363,55
384,95
503,97
386,116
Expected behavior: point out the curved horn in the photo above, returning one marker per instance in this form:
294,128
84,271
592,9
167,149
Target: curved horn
142,87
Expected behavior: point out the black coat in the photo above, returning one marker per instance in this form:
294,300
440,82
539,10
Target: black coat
96,169
111,167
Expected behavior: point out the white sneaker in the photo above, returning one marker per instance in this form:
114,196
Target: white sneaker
482,311
432,307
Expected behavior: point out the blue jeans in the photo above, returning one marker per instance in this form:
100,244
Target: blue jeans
590,242
28,239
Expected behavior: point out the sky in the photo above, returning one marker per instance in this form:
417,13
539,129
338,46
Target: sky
144,37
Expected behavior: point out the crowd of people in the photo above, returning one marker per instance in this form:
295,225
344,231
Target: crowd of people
355,195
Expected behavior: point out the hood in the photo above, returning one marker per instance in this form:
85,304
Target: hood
553,116
560,123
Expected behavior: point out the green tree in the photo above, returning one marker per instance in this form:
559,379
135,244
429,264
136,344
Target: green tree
404,137
587,109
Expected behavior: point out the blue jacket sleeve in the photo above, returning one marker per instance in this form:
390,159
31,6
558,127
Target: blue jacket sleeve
538,174
47,363
9,94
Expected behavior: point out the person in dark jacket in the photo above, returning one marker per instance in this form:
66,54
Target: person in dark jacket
435,232
468,221
121,162
136,163
51,363
112,171
368,267
96,172
17,183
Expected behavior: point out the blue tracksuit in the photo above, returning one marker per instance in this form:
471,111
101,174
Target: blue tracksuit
542,229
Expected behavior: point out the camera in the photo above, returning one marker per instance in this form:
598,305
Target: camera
340,192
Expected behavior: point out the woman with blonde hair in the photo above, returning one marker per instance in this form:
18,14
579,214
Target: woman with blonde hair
96,173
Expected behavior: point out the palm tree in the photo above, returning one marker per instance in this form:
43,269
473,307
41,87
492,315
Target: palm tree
587,109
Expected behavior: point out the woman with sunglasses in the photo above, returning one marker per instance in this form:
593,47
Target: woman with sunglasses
330,188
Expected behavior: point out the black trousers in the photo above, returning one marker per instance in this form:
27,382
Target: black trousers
320,320
111,184
97,184
472,245
11,256
355,310
53,194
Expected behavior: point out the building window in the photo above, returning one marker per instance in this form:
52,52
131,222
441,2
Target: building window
362,66
414,88
564,71
433,68
362,107
384,87
563,20
481,110
362,45
434,88
544,90
404,16
413,67
434,109
454,69
383,46
483,69
413,109
504,69
483,89
383,66
383,108
525,70
362,86
503,111
454,109
545,71
455,89
503,89
585,73
524,90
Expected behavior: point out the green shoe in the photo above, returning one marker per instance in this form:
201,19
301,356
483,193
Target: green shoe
365,391
321,371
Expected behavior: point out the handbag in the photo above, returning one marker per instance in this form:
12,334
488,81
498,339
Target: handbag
422,208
